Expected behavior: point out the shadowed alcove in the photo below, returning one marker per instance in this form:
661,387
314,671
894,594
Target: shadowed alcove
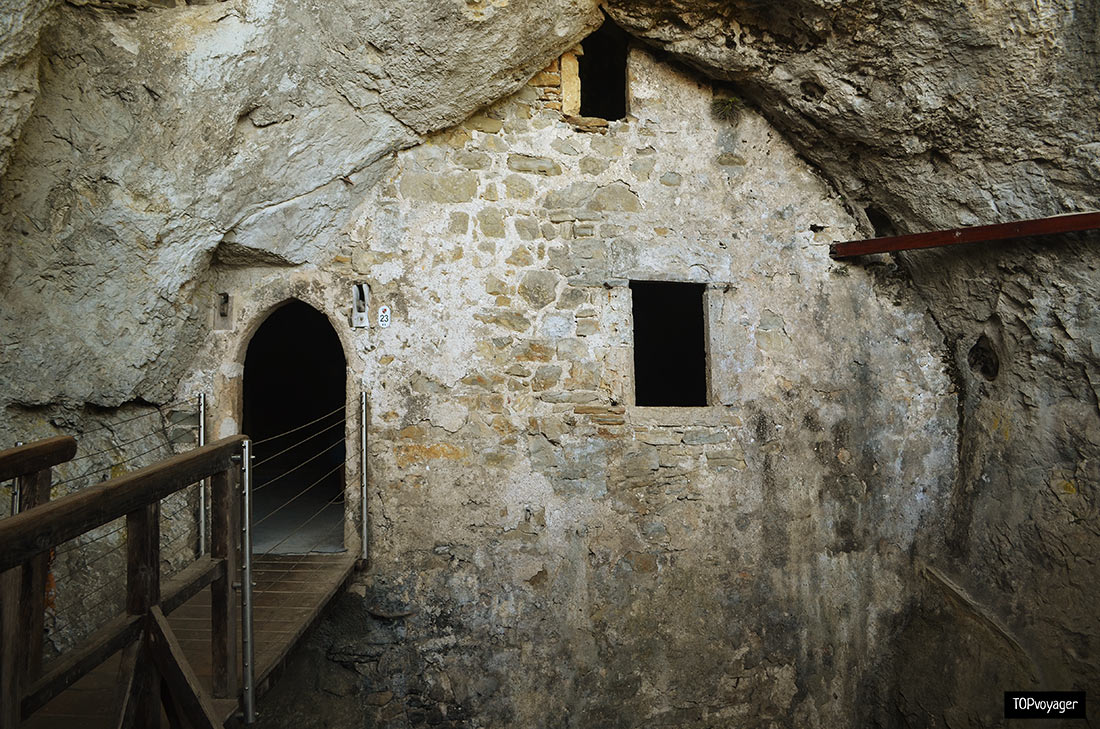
294,397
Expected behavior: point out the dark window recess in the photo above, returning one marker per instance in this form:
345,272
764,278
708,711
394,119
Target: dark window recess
602,70
670,354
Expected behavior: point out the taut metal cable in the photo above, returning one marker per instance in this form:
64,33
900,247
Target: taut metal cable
297,428
113,465
78,545
114,447
86,609
133,417
292,470
334,500
325,536
295,496
327,428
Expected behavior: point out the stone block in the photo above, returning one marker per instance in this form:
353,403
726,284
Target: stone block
642,168
533,350
533,165
520,257
484,124
584,229
453,187
705,437
539,288
473,160
615,197
561,260
606,147
572,196
527,228
496,287
565,147
508,319
491,222
571,297
459,223
593,165
575,396
641,462
545,377
573,350
518,187
587,327
729,159
545,78
731,458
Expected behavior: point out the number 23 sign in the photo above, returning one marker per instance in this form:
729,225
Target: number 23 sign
383,316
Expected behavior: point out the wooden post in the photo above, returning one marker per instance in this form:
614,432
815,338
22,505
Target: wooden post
223,598
11,660
34,490
142,594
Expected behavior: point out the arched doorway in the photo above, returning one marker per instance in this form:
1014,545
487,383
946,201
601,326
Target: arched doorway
294,399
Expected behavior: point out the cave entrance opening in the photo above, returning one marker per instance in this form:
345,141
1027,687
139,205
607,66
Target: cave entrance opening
294,410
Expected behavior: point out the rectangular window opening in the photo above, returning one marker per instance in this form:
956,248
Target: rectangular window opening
670,351
602,71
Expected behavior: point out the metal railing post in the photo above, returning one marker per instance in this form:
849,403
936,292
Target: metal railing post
363,470
202,483
248,648
15,490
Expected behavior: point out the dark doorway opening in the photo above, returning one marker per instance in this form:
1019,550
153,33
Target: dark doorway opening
670,352
602,70
294,399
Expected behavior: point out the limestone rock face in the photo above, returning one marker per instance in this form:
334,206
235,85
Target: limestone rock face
934,115
22,22
237,132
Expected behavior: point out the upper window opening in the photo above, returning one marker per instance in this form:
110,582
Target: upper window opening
602,70
670,353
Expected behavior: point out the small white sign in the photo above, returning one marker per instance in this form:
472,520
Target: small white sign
383,316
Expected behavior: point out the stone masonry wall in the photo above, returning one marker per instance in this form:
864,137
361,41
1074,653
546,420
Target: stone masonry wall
545,553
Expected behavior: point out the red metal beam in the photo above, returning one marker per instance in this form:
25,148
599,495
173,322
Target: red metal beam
977,234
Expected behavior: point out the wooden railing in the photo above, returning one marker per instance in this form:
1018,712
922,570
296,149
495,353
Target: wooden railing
151,657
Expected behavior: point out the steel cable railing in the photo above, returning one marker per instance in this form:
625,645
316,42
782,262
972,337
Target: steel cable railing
139,416
74,607
309,460
289,448
296,428
325,536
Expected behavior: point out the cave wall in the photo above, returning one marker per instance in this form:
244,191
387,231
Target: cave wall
173,153
929,116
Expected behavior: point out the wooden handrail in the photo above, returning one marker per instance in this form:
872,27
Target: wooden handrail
119,632
39,529
154,660
37,456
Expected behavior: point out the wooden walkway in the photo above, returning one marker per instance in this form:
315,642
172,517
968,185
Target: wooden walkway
290,594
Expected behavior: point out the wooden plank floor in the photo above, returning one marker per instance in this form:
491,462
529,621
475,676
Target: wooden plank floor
290,593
